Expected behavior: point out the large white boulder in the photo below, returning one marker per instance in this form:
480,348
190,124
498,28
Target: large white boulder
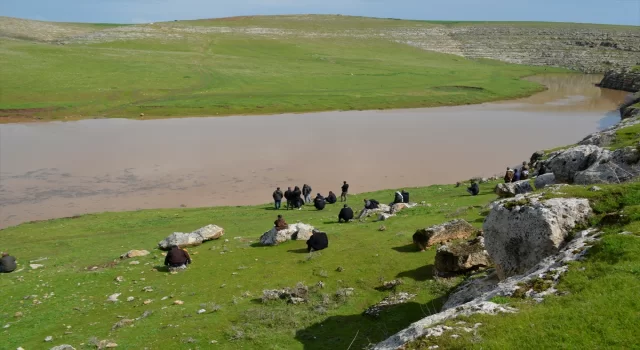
195,238
449,231
297,231
522,231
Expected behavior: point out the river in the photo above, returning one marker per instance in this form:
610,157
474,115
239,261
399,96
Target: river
58,169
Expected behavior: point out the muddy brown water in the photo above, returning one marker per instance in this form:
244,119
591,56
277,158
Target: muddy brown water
59,169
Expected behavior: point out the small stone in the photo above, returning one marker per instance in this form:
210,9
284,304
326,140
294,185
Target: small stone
165,298
36,266
18,314
131,299
113,297
135,262
340,269
48,338
213,342
201,311
119,279
178,302
320,284
455,336
147,302
433,347
111,345
595,189
6,326
147,289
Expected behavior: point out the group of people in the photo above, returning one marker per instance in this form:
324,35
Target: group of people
513,175
317,241
296,197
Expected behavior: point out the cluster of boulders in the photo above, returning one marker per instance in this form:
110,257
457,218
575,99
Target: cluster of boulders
449,231
461,257
296,295
298,231
624,79
195,238
384,212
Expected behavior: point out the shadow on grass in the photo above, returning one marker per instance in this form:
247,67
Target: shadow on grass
300,251
409,248
338,332
420,274
162,268
256,245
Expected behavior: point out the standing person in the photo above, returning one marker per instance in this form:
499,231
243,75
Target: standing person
345,191
306,192
516,175
277,197
7,263
177,259
297,198
288,195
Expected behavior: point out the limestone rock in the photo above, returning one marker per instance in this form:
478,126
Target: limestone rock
461,257
36,266
455,229
567,163
522,231
513,188
544,180
63,347
134,254
195,238
385,216
298,231
113,297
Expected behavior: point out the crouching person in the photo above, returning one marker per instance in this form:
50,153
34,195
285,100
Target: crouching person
177,259
318,241
346,214
7,263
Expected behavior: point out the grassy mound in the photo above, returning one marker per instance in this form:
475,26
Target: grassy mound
245,66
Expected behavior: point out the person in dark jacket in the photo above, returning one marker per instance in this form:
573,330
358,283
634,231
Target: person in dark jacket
345,191
280,224
277,197
317,241
346,214
331,198
297,198
508,176
306,192
177,259
371,204
398,198
288,195
7,263
474,189
319,202
405,196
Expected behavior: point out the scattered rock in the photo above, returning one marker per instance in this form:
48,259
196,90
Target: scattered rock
382,228
456,229
131,299
135,262
512,189
113,297
111,345
320,284
297,231
294,295
391,284
595,189
48,338
522,231
147,302
122,323
344,292
18,314
461,257
119,279
178,302
195,238
340,269
147,289
134,254
385,216
395,299
544,180
36,266
201,311
60,347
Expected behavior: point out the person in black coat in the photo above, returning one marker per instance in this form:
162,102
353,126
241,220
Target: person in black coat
346,214
288,195
371,204
317,241
297,198
345,191
474,189
306,192
319,202
331,198
277,197
398,198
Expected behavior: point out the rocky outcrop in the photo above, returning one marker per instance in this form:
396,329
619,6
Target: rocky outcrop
473,297
452,230
544,180
297,231
606,137
195,238
505,190
461,257
630,107
522,231
382,208
134,254
622,79
590,164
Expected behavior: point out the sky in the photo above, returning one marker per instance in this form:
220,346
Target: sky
145,11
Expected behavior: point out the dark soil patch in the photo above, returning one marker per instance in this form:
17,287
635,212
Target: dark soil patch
25,112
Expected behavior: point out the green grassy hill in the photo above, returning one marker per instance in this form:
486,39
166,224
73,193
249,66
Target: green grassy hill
251,65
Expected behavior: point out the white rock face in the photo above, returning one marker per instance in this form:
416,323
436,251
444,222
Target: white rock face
544,180
195,238
63,347
297,231
134,253
512,189
520,232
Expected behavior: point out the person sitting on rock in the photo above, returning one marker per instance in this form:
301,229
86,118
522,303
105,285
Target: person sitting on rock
317,241
516,175
398,198
508,176
371,204
177,259
7,263
280,224
474,189
319,202
331,198
524,172
346,214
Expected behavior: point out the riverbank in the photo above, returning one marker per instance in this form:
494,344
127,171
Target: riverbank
54,170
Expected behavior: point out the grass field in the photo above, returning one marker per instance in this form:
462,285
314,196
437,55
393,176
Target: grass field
259,65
